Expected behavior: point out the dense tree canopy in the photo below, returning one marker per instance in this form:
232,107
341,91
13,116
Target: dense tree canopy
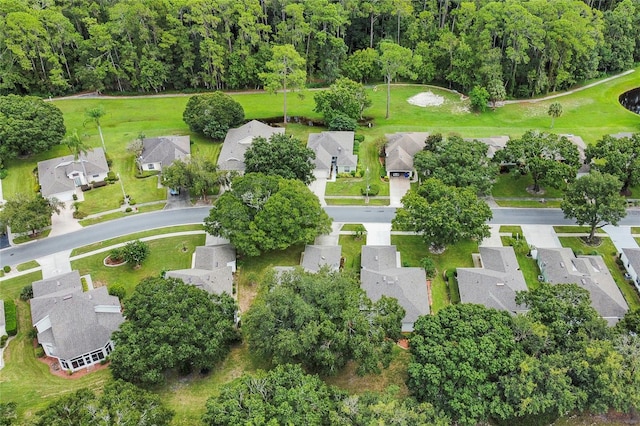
26,213
549,159
262,213
212,114
123,45
121,403
282,155
171,325
457,162
619,157
28,125
321,321
344,97
199,176
444,214
594,200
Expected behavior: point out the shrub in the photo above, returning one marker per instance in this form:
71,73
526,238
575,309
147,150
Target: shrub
117,290
75,197
429,266
213,114
85,285
128,210
373,190
99,184
342,122
116,254
39,352
111,176
3,340
79,215
132,202
359,137
344,175
11,319
26,293
33,333
479,98
6,269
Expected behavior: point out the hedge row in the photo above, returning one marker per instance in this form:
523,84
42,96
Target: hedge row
11,319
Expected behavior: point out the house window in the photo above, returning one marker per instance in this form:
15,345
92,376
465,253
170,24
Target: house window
96,176
108,348
75,174
77,362
64,364
347,169
152,166
97,355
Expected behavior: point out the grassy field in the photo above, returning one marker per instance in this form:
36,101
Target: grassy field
413,249
608,252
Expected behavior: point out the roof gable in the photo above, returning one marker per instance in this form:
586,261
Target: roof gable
53,174
165,149
239,139
315,257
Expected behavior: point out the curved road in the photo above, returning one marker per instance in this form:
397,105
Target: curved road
159,219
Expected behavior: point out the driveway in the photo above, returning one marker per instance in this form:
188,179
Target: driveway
180,201
318,186
64,222
494,239
541,236
398,186
378,234
331,239
55,264
621,237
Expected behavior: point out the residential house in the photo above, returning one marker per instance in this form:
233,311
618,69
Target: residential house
494,284
399,151
73,326
238,140
3,321
560,265
334,153
163,151
631,260
213,268
315,257
582,146
59,177
494,143
381,275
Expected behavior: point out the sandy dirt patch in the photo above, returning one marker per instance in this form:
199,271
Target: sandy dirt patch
425,99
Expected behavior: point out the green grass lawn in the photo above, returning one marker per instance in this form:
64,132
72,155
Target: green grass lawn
357,201
528,265
635,229
353,186
352,251
118,215
511,229
508,186
413,248
28,265
608,252
576,230
164,254
26,238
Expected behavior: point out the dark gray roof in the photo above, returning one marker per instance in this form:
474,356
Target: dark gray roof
327,145
80,322
62,283
53,174
165,149
213,257
378,258
217,281
400,149
496,283
560,266
381,276
315,257
238,141
494,143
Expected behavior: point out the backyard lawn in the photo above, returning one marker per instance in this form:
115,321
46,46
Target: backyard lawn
352,251
608,252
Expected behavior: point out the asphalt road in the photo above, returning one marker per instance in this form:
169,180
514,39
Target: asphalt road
142,222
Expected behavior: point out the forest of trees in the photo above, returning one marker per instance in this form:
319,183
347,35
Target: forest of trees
52,47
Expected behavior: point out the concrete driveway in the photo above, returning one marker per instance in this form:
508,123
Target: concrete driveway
179,201
378,234
494,239
398,186
541,236
318,187
621,237
64,222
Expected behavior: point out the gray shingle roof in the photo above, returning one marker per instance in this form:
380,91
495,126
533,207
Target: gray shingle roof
238,141
327,145
560,266
380,276
496,283
633,254
216,281
53,174
165,149
213,257
400,149
315,257
80,321
494,143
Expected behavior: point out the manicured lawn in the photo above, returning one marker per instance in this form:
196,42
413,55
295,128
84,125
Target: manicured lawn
608,252
352,251
576,230
137,235
118,215
353,186
413,248
635,229
528,266
26,238
508,186
28,265
528,204
351,227
511,229
165,254
357,201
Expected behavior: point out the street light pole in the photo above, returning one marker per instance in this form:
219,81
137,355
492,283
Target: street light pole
124,194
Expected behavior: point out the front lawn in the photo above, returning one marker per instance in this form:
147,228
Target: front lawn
413,248
352,251
164,255
509,186
353,186
357,201
609,253
527,264
572,229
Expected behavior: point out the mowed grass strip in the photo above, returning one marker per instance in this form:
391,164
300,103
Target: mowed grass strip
608,251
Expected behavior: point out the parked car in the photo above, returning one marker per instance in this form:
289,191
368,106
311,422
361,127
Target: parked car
174,191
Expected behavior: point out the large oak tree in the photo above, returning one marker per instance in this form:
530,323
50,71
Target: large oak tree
281,155
619,157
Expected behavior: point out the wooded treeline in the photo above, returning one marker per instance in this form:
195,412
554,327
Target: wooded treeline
52,47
